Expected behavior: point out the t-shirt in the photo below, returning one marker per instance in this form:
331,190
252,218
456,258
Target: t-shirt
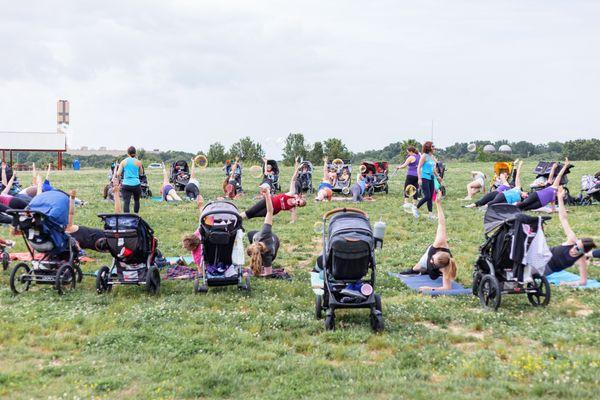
271,241
561,259
280,202
546,195
512,196
194,181
197,254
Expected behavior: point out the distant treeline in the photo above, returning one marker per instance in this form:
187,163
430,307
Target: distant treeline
250,151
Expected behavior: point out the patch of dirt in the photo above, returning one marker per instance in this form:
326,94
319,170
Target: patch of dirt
575,308
461,331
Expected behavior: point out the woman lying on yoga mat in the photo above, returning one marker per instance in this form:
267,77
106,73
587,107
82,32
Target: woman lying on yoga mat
437,260
504,185
8,201
264,243
285,201
572,251
167,190
325,189
476,185
542,197
192,189
511,196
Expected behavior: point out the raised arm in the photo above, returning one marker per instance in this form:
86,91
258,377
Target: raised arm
165,175
294,177
264,160
193,169
440,236
552,171
117,172
562,216
8,186
4,182
48,171
117,197
556,183
234,168
518,176
269,203
39,184
325,178
72,195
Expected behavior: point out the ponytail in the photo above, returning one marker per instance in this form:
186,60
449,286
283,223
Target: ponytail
255,251
452,269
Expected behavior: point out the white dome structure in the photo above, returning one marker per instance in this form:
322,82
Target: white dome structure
505,149
489,148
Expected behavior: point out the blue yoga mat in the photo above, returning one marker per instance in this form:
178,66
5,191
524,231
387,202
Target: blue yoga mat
159,198
564,276
416,281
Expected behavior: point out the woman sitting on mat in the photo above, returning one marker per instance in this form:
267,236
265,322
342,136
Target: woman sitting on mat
542,197
192,189
264,243
476,185
167,190
281,202
572,251
412,177
325,189
437,260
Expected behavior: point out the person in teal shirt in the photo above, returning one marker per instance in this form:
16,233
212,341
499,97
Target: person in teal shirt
427,174
131,168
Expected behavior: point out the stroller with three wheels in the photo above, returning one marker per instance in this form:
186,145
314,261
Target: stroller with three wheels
132,244
500,268
180,174
304,179
348,256
220,224
380,176
42,225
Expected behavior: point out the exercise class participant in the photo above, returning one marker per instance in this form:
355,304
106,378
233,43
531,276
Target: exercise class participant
427,172
412,176
325,189
167,190
542,197
264,243
131,168
476,185
192,189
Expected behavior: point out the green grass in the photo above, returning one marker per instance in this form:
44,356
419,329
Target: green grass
268,344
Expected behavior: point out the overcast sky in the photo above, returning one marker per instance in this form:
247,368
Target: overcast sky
184,74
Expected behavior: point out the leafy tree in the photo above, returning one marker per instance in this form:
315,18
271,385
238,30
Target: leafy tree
335,148
582,149
316,153
295,146
247,150
216,154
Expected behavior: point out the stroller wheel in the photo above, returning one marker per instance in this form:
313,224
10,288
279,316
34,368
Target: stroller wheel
153,280
476,281
377,322
319,306
66,279
330,322
199,288
5,261
102,278
489,292
19,278
541,297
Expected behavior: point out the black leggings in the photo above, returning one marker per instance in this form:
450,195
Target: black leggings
532,202
428,190
128,191
486,199
257,210
411,180
499,199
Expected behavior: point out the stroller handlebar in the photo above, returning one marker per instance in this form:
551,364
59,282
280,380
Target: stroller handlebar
344,209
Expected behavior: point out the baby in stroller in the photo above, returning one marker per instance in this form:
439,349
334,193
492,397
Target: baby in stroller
304,179
180,174
42,225
271,175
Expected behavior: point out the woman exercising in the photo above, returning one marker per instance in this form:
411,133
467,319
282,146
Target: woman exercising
511,196
192,189
325,189
437,260
131,168
504,185
167,190
264,243
572,251
427,172
542,197
412,176
282,202
8,201
476,185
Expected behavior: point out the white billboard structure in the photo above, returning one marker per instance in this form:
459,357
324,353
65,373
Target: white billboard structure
39,141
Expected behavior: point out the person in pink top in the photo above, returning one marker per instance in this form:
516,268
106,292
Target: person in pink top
193,244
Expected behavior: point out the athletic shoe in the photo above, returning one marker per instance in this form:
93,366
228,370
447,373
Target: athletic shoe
472,205
415,212
432,217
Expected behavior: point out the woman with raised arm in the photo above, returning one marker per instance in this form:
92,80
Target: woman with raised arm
264,243
167,190
437,260
573,250
192,189
412,177
511,196
131,168
544,196
476,185
325,189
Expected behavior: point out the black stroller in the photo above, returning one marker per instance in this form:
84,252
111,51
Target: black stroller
132,244
180,174
42,225
542,170
441,169
304,178
272,177
590,190
379,182
109,194
348,255
16,187
499,268
344,176
220,225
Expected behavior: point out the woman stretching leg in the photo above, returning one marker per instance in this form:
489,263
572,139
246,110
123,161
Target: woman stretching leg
544,196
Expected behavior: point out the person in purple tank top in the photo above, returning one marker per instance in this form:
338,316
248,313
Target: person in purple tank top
412,178
545,196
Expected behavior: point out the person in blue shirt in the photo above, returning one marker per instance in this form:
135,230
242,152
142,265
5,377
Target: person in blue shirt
131,168
427,173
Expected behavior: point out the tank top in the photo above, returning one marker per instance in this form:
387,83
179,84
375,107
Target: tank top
561,259
432,270
280,202
131,172
546,195
427,168
412,167
513,195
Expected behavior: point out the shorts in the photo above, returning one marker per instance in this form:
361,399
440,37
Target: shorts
423,262
480,181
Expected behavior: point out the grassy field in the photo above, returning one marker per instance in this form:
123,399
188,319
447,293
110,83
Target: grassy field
269,345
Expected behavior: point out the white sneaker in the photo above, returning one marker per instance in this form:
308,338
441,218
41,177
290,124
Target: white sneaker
472,205
415,212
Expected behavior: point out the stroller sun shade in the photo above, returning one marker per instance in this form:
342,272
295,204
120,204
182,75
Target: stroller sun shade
498,214
221,213
54,204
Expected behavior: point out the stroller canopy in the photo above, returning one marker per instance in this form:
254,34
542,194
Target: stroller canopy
221,213
350,226
306,164
499,214
180,165
54,204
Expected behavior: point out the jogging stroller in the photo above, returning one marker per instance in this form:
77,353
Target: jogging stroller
500,267
180,174
145,186
304,178
344,176
220,225
590,190
16,187
233,184
348,256
108,193
272,177
380,176
132,244
42,225
500,168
